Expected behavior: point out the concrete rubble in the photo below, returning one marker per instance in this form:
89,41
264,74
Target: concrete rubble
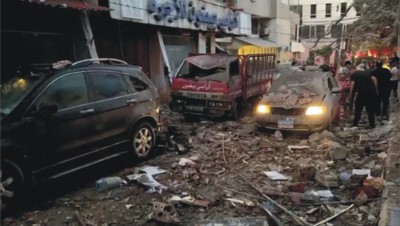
199,179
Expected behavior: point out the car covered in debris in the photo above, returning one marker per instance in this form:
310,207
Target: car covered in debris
299,101
56,121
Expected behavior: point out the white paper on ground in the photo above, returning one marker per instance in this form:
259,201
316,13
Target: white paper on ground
325,193
151,170
362,172
274,175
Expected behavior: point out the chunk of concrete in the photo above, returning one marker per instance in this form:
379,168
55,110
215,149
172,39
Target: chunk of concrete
327,179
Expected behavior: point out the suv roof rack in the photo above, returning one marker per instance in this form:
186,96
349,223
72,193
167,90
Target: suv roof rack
98,60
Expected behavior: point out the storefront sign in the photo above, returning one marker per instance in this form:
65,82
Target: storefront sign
185,9
186,14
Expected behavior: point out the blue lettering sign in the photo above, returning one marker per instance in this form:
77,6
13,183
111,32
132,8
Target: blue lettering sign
186,10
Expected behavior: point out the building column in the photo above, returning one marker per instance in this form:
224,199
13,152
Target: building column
87,30
212,43
202,43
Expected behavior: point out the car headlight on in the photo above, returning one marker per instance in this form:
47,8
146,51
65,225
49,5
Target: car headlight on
158,110
263,109
315,110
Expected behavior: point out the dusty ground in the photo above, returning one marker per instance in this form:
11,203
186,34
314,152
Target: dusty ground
212,182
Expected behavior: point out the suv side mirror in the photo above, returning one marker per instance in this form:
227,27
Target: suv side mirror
336,90
47,109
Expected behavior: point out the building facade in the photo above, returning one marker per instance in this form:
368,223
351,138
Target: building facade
324,25
172,29
273,21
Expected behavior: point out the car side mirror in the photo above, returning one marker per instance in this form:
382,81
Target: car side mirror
336,90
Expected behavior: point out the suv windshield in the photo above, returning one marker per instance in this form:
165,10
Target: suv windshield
13,91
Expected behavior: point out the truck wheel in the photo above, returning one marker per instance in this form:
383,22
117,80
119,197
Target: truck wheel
12,183
143,140
236,110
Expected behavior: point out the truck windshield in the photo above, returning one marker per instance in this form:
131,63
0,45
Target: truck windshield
191,71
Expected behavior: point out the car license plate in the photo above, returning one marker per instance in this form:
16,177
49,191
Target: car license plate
286,123
194,108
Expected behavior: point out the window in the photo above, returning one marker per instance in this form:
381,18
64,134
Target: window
320,31
234,68
312,32
68,91
313,13
107,85
137,84
343,9
254,26
328,10
306,31
336,31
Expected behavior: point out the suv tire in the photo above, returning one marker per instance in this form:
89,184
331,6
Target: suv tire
143,140
13,181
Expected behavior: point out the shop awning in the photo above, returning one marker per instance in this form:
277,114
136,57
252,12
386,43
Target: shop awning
71,4
258,42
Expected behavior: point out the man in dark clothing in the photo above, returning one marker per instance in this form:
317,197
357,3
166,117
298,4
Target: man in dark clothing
366,87
382,75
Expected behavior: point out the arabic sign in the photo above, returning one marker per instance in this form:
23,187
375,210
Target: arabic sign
187,14
183,84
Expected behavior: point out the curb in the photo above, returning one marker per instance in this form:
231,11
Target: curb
388,216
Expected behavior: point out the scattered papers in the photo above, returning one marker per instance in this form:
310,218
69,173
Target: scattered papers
147,179
274,175
325,194
150,170
362,172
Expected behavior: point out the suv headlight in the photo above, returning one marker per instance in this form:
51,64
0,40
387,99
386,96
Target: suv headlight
263,109
315,110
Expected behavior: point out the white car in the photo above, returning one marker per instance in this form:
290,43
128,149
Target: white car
300,101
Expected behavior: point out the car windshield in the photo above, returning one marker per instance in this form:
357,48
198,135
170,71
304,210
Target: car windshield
13,91
296,88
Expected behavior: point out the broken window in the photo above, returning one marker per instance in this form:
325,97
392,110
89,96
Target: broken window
137,84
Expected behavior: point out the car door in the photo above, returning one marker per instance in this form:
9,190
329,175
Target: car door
114,104
64,133
334,93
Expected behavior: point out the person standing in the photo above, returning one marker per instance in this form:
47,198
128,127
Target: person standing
344,81
383,76
365,85
394,80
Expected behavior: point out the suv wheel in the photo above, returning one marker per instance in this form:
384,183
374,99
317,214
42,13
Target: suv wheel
143,140
12,181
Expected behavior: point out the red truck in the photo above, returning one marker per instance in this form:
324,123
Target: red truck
218,85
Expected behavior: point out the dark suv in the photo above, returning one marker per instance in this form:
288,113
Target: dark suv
56,121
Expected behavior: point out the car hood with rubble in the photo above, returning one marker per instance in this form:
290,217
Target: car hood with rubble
297,89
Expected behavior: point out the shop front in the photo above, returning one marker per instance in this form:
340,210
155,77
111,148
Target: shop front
177,28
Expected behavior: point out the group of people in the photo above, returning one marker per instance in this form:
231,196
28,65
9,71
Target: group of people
371,89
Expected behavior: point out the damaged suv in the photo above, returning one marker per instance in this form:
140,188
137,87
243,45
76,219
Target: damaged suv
56,121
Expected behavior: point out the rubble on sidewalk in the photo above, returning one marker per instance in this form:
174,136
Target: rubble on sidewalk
327,175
